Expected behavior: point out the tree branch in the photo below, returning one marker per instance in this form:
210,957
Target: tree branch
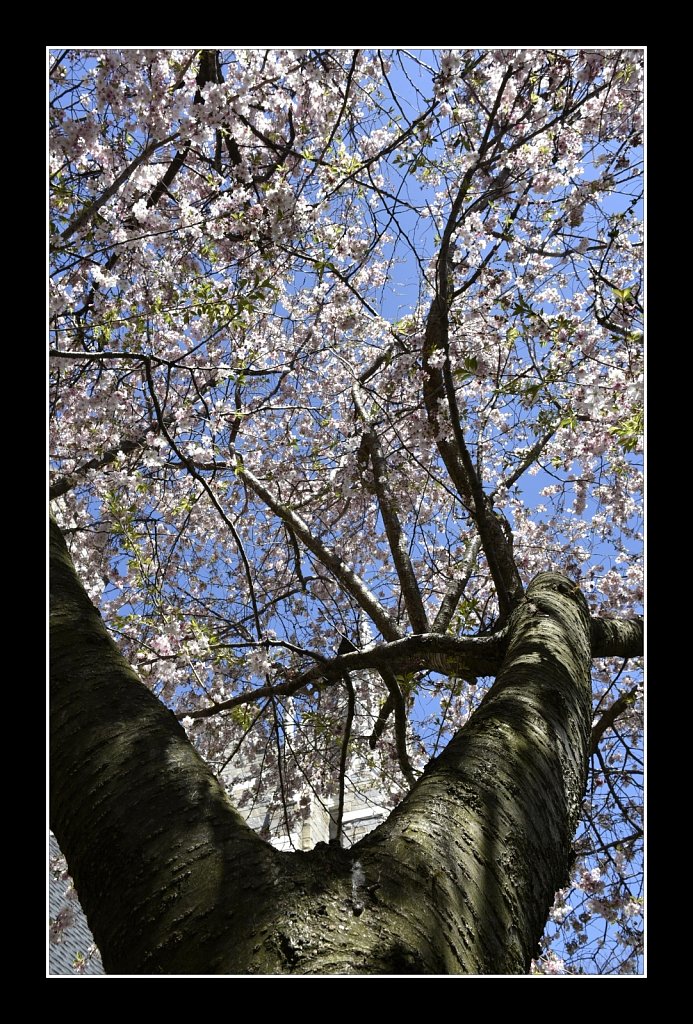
448,655
65,483
381,721
478,656
400,710
88,212
396,537
609,717
455,454
344,753
350,580
454,593
529,460
459,463
192,469
617,638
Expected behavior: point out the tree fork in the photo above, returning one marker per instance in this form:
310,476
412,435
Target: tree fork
459,879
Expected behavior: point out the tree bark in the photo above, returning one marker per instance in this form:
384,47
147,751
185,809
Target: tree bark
157,853
458,880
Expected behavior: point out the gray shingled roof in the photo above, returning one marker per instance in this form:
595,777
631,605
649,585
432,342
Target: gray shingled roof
71,945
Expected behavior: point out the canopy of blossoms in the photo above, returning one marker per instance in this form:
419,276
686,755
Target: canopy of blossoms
257,434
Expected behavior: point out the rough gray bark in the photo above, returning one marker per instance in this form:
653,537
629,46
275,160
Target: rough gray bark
459,879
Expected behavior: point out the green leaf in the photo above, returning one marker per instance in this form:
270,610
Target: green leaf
522,307
629,432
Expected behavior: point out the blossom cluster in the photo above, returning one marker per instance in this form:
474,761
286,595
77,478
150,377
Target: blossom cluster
246,253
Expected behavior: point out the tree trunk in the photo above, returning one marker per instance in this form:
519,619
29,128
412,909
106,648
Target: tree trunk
458,880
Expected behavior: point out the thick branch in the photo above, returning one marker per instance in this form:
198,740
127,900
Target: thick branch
174,167
477,656
209,71
618,638
381,721
453,656
287,689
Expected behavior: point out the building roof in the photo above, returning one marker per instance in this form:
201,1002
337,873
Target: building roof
71,947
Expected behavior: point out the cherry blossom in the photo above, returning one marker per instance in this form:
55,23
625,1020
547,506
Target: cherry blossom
249,421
